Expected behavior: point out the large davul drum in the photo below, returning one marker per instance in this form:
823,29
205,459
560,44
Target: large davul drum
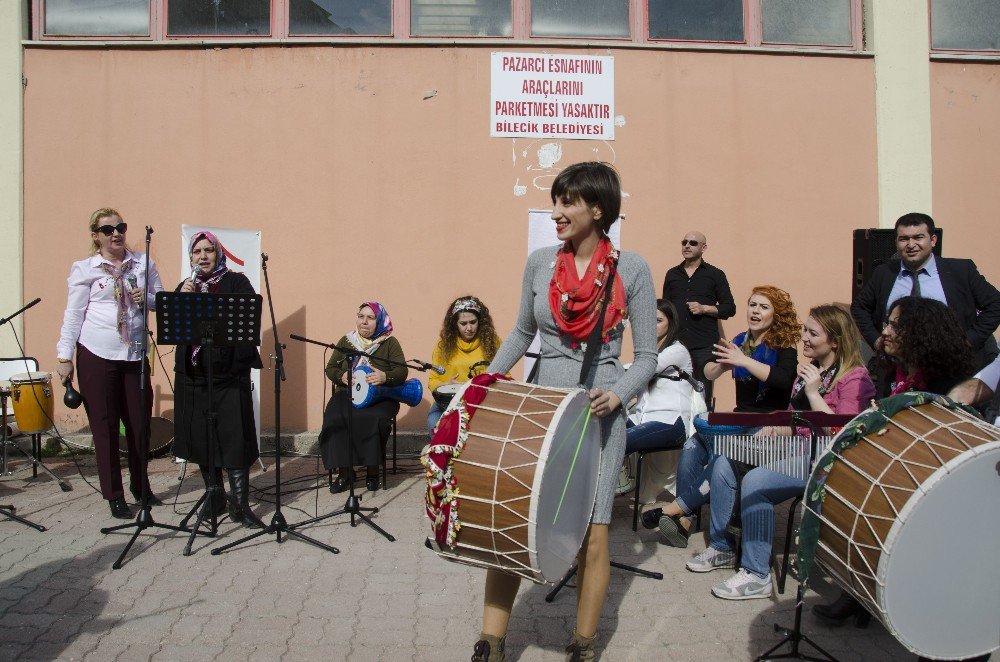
910,526
526,479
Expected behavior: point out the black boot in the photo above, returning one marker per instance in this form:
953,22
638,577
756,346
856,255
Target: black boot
240,482
841,609
233,501
219,496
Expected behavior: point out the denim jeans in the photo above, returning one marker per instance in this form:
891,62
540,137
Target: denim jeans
654,435
433,415
693,473
762,490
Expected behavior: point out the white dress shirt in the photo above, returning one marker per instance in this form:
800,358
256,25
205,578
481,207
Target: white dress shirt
669,399
91,316
990,375
930,283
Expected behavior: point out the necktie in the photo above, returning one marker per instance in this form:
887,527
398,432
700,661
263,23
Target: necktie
915,290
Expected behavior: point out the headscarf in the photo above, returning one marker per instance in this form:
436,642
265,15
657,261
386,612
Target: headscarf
383,329
207,282
576,302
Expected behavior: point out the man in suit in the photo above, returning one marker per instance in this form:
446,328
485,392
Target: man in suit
955,282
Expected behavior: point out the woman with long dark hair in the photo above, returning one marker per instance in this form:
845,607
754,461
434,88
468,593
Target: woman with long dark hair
468,338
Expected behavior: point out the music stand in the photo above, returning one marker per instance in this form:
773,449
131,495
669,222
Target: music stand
209,320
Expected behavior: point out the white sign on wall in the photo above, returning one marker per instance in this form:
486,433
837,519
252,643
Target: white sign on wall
242,249
540,95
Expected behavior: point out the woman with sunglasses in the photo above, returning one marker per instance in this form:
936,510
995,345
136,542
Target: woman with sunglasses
468,339
103,325
235,446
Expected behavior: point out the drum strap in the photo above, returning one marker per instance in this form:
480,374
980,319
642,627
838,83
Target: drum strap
594,341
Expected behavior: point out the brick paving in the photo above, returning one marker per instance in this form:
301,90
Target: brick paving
376,600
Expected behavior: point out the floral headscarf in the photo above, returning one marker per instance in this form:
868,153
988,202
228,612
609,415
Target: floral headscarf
383,329
209,282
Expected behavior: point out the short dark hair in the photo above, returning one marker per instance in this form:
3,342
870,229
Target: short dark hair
913,219
594,182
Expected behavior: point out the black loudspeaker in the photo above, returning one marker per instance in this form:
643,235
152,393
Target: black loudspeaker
875,246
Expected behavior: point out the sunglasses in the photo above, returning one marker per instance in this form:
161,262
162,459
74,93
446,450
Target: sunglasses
109,230
689,242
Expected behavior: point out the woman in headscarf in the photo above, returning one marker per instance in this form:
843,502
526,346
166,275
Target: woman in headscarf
235,435
370,425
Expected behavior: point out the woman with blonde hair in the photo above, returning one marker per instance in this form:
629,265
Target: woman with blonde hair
834,381
103,325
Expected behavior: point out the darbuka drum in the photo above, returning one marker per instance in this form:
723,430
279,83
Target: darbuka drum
526,479
443,394
909,526
161,436
31,393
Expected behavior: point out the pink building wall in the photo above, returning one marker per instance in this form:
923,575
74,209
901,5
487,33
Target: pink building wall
364,188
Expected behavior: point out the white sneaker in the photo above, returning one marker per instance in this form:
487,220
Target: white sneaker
744,585
711,559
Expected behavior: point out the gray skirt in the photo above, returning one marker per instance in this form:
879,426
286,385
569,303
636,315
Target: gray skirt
564,372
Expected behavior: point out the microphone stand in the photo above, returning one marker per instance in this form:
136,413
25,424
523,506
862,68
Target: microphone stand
144,520
278,525
9,510
353,504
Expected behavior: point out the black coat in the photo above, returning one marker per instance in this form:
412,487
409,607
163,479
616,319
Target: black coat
975,302
229,361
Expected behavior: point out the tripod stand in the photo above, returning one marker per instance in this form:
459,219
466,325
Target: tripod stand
144,520
278,525
353,505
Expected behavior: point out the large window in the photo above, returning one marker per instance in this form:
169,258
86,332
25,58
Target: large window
339,17
959,25
602,19
778,24
77,18
460,18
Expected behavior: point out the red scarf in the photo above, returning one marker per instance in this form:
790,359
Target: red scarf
576,302
904,383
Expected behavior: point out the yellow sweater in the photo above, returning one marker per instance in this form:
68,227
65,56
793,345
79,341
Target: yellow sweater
466,354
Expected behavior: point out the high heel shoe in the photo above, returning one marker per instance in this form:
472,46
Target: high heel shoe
651,518
120,509
837,612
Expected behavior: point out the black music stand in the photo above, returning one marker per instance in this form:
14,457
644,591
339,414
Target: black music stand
209,320
144,520
278,525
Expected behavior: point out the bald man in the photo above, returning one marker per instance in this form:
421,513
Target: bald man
701,294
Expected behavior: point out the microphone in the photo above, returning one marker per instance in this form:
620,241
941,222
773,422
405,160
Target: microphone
133,283
683,374
428,366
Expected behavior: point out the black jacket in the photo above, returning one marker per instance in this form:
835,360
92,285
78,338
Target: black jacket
975,302
229,361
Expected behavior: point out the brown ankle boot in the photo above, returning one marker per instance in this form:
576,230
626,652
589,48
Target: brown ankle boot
580,648
489,648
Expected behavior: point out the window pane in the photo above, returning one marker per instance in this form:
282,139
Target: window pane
825,22
362,17
476,18
962,24
696,20
219,17
127,18
579,18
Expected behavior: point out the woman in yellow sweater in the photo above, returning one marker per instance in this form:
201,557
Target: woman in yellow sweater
467,338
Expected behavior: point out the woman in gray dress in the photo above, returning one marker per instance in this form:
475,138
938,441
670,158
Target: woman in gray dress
562,293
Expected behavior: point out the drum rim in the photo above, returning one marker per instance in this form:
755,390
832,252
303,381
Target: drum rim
42,377
900,521
536,483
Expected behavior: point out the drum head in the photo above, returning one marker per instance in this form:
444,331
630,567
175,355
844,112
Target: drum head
566,485
941,594
30,377
361,388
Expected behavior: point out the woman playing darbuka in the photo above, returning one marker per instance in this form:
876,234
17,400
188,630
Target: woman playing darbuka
468,338
562,294
103,324
235,437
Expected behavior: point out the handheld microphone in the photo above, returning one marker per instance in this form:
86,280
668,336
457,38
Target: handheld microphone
683,374
133,283
436,368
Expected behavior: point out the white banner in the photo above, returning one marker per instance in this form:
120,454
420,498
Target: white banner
242,249
542,233
540,95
